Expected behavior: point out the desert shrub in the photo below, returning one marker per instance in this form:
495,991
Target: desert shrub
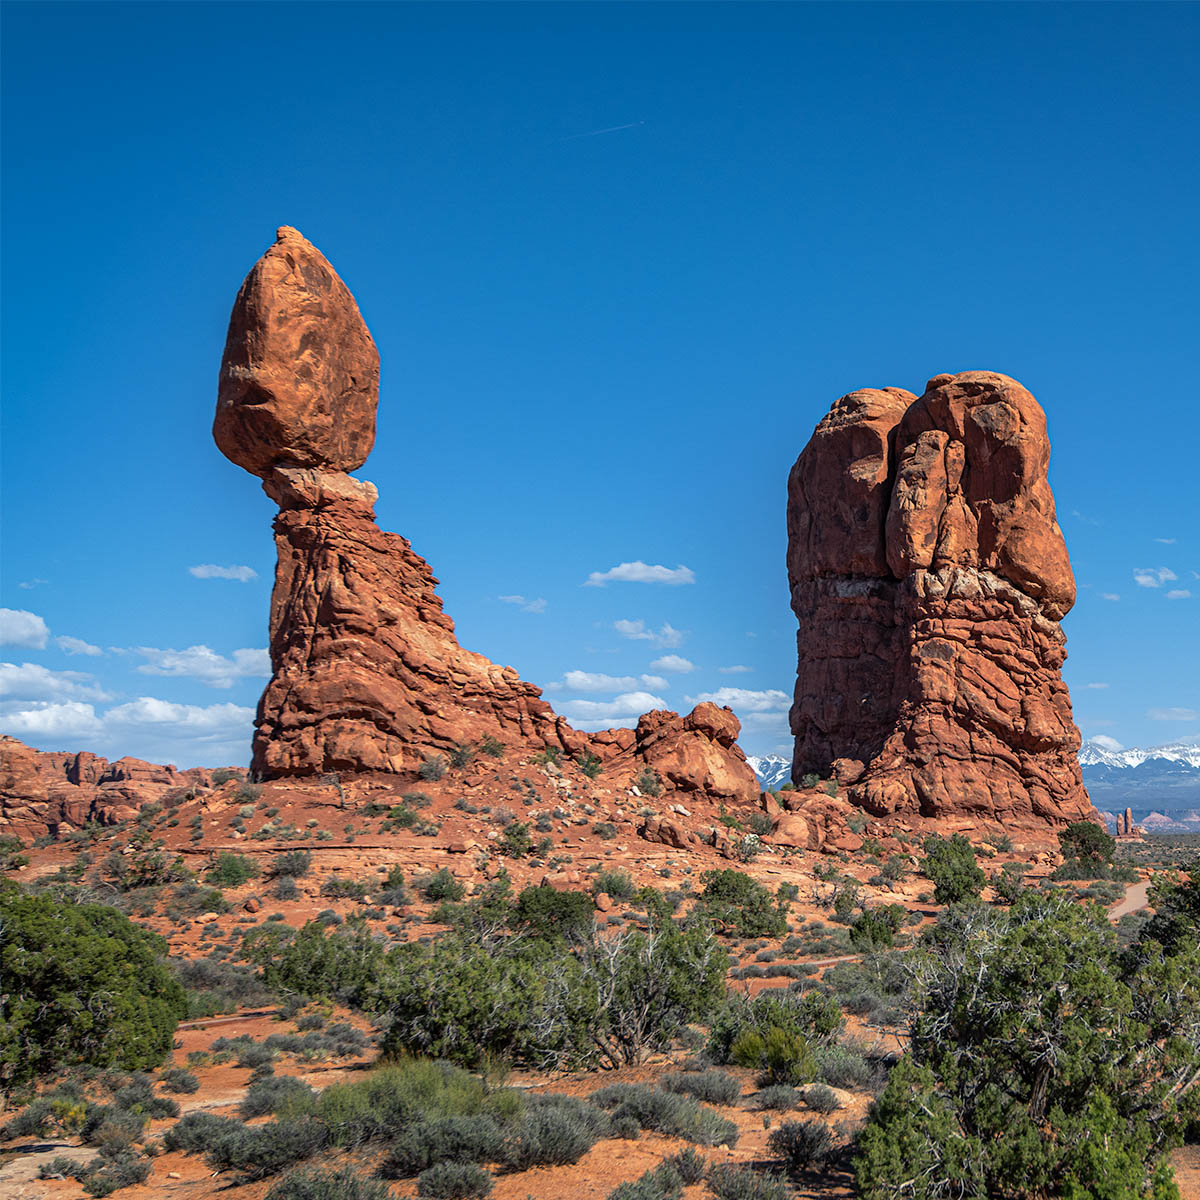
119,1167
285,888
554,1131
454,1181
432,768
258,1151
342,964
231,870
176,1079
732,900
441,885
712,1087
616,883
666,1112
843,1067
272,1094
779,1056
779,1097
295,863
821,1099
393,890
813,1016
515,841
875,928
59,1167
1009,1087
803,1144
950,865
662,1182
195,1130
337,888
590,764
138,1096
647,783
492,747
476,1138
83,984
304,1184
1009,884
550,914
729,1182
605,830
214,987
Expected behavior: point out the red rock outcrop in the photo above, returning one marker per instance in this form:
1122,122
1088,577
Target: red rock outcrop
367,672
929,576
46,792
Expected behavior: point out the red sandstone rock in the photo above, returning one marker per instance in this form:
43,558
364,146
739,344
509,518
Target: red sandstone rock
367,672
929,574
300,376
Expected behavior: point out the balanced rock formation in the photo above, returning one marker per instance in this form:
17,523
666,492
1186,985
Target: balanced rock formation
929,575
367,672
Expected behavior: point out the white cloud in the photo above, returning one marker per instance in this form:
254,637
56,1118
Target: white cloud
1109,596
1152,577
32,681
212,571
29,584
1095,686
1107,743
199,662
737,669
21,628
673,662
73,645
640,572
742,700
1173,714
1166,541
529,606
72,720
1179,594
593,681
668,638
621,710
202,719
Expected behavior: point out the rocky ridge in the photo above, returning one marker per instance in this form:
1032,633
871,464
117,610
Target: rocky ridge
929,576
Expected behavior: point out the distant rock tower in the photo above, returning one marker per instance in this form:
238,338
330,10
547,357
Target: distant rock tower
929,576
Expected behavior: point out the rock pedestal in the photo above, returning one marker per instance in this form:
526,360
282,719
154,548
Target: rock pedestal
929,576
367,674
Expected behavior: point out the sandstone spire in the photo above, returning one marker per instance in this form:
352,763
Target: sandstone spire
929,576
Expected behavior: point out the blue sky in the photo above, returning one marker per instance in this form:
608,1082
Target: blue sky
618,262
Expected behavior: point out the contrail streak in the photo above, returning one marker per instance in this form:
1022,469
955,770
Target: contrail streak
598,132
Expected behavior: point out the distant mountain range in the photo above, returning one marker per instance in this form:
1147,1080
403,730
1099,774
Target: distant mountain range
1160,783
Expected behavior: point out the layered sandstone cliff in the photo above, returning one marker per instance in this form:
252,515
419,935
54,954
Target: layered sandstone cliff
929,575
367,672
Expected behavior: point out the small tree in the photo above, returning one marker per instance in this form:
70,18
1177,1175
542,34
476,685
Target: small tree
1087,842
80,983
950,864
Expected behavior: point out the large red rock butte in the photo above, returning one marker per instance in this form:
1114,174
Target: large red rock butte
929,576
368,675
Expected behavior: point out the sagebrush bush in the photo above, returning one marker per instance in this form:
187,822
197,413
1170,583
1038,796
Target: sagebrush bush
292,862
821,1099
231,870
478,1138
778,1097
256,1152
272,1094
454,1181
666,1112
712,1087
729,1182
554,1131
803,1144
303,1184
662,1182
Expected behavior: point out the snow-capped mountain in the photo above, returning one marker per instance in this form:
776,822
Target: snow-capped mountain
1160,783
771,769
1092,754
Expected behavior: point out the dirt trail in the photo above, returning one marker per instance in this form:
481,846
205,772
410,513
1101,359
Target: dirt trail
1136,898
